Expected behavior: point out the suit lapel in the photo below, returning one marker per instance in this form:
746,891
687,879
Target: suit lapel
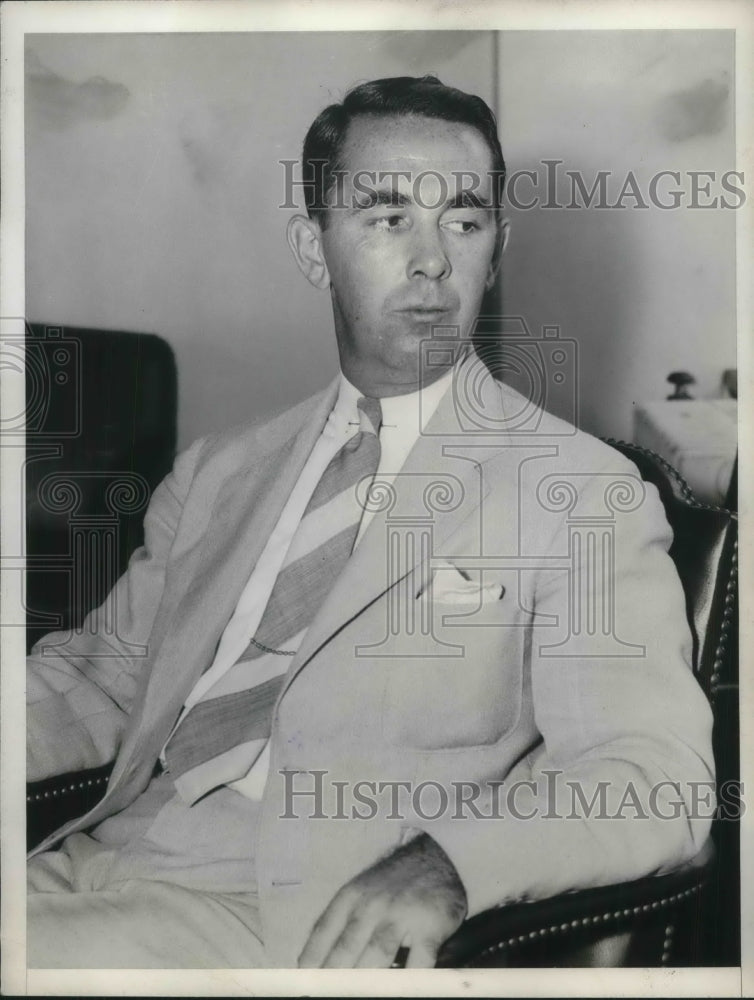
368,574
243,516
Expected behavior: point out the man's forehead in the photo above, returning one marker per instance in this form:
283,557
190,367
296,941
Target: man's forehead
412,144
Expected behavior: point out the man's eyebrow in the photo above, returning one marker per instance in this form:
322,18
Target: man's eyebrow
390,197
393,198
467,199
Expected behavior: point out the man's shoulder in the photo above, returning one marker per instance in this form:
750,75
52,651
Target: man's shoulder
572,446
261,434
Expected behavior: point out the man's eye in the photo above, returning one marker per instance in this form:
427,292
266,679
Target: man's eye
461,226
390,223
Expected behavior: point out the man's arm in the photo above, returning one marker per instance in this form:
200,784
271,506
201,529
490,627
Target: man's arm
622,785
627,739
80,687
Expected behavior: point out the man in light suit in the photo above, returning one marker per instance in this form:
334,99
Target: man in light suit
408,751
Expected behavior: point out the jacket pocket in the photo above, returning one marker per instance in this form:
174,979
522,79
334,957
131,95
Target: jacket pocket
456,701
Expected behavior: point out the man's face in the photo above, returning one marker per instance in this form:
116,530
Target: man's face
414,257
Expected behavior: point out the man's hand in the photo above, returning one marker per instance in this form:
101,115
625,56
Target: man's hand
412,898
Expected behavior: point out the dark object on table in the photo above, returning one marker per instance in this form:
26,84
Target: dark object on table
730,382
680,380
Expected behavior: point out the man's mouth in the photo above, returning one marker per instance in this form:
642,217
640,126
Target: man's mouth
425,311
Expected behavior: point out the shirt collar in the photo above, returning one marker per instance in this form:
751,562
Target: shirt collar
406,414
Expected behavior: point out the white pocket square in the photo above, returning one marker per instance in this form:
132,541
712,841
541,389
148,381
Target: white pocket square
451,585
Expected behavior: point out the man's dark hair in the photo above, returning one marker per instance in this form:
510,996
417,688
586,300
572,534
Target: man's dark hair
399,95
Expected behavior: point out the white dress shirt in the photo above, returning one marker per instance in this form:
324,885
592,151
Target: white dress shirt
403,420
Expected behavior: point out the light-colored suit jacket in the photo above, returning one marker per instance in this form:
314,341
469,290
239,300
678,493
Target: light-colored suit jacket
502,717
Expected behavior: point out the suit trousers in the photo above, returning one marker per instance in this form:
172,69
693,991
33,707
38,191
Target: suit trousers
159,885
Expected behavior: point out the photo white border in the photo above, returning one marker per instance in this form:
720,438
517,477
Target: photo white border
115,16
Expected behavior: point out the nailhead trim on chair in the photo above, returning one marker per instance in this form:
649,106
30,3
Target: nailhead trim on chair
730,597
667,944
39,796
614,915
688,493
730,588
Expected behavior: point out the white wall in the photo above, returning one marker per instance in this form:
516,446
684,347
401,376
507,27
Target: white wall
152,186
642,291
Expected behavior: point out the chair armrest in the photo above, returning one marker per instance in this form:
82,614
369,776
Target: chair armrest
54,801
567,929
570,929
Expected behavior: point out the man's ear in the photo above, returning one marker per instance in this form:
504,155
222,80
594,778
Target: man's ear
305,240
503,231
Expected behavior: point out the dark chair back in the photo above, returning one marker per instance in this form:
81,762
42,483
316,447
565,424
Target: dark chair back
100,435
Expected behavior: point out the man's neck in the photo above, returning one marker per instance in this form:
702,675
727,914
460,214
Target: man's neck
385,388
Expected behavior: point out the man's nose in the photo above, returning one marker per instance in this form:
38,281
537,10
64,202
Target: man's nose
428,258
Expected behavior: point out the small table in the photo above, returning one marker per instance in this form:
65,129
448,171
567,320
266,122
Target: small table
699,437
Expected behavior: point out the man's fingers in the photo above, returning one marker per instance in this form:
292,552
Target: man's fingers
327,930
422,955
381,948
356,936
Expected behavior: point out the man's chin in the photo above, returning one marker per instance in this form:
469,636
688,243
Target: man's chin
421,360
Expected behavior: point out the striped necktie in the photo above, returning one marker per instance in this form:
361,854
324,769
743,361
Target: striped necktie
215,729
